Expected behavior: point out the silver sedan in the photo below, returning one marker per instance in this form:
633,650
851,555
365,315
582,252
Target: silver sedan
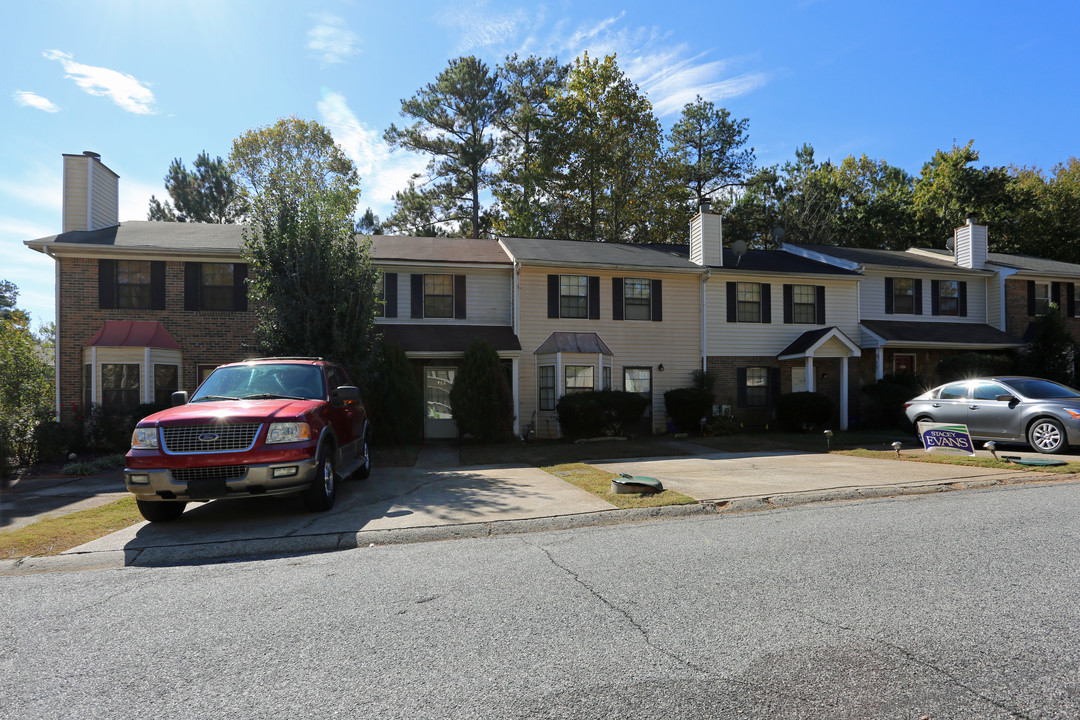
1041,413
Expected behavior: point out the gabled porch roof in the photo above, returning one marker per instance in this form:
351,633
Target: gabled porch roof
807,344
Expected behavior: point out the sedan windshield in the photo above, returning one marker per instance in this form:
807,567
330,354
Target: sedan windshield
1041,389
260,382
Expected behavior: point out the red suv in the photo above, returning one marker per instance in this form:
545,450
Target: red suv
270,426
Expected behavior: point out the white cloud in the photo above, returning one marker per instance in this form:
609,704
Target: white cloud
480,26
330,40
382,173
123,89
33,100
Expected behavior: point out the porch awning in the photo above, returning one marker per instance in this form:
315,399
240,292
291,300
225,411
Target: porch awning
133,333
568,342
901,333
807,344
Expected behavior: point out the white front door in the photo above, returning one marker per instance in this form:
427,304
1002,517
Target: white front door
438,420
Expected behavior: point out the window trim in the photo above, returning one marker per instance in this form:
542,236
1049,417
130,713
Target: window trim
546,395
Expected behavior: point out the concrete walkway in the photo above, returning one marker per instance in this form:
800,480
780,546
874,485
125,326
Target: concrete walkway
439,499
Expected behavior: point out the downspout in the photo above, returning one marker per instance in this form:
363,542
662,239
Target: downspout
56,331
704,305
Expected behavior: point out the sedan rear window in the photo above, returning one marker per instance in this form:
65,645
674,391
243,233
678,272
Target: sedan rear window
955,391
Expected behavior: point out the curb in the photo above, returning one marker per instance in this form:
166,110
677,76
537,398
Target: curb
264,548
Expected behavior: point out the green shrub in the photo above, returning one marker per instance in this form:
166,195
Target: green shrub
481,399
884,400
804,411
600,412
53,441
394,400
687,406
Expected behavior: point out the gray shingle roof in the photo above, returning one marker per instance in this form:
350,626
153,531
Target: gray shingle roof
573,252
424,249
775,261
940,333
418,337
145,235
898,259
1028,263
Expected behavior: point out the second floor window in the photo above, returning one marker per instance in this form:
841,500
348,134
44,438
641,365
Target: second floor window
1042,297
804,303
749,302
903,296
133,287
216,286
438,296
948,297
573,296
637,298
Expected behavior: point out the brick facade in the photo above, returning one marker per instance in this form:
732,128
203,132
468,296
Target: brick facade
205,337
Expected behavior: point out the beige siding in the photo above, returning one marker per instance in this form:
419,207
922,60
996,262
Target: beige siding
873,299
76,189
761,339
488,294
105,200
675,342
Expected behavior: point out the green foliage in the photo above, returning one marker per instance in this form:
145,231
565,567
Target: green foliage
710,150
311,283
883,405
95,466
481,398
959,366
1051,354
609,179
26,381
103,428
599,412
687,407
206,194
455,119
704,379
804,411
394,400
415,213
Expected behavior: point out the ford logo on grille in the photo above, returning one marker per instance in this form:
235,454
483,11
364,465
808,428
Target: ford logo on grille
208,437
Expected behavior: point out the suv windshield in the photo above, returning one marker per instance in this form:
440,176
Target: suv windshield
262,381
1042,389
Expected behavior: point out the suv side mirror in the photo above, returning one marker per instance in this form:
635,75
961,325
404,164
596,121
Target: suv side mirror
347,393
179,397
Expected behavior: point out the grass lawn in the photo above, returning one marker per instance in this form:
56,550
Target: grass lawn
52,536
543,453
598,482
945,459
809,442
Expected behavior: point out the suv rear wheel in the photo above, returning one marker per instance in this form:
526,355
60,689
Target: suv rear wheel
320,496
365,470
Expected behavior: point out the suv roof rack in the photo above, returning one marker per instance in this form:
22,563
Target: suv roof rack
283,357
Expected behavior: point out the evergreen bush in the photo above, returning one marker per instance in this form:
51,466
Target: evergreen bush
394,400
481,399
687,406
599,412
804,411
883,405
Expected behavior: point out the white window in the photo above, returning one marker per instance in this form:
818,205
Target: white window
579,378
637,298
749,302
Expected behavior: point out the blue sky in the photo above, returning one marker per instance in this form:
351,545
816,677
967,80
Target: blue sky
142,82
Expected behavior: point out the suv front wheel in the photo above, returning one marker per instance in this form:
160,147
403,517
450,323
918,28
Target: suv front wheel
320,496
160,511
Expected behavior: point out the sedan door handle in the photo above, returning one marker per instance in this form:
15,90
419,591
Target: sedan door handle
973,407
935,405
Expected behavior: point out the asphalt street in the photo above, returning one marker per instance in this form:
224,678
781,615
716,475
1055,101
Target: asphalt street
951,605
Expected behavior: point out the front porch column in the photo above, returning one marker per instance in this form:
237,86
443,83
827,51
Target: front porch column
843,393
809,374
879,363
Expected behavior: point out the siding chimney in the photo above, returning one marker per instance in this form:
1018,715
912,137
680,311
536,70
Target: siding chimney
970,244
91,193
706,238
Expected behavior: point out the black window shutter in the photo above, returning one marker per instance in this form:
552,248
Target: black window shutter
1055,293
390,291
789,301
1070,300
106,284
935,297
240,286
820,305
774,386
417,302
888,296
657,300
192,283
157,285
553,296
459,297
766,303
594,297
616,298
732,302
740,386
962,301
1031,297
918,295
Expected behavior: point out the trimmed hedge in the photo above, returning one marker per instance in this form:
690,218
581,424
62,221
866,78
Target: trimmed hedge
599,412
804,411
687,406
481,398
394,400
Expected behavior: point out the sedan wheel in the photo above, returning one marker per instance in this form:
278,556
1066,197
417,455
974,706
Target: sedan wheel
1047,436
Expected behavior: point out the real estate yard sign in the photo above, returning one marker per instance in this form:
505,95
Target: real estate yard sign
946,437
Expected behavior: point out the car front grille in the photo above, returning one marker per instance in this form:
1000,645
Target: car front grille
209,438
225,472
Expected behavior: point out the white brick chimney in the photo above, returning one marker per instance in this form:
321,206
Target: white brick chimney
969,244
706,238
91,193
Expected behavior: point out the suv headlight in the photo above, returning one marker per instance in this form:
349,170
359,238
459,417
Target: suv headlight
144,438
286,432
